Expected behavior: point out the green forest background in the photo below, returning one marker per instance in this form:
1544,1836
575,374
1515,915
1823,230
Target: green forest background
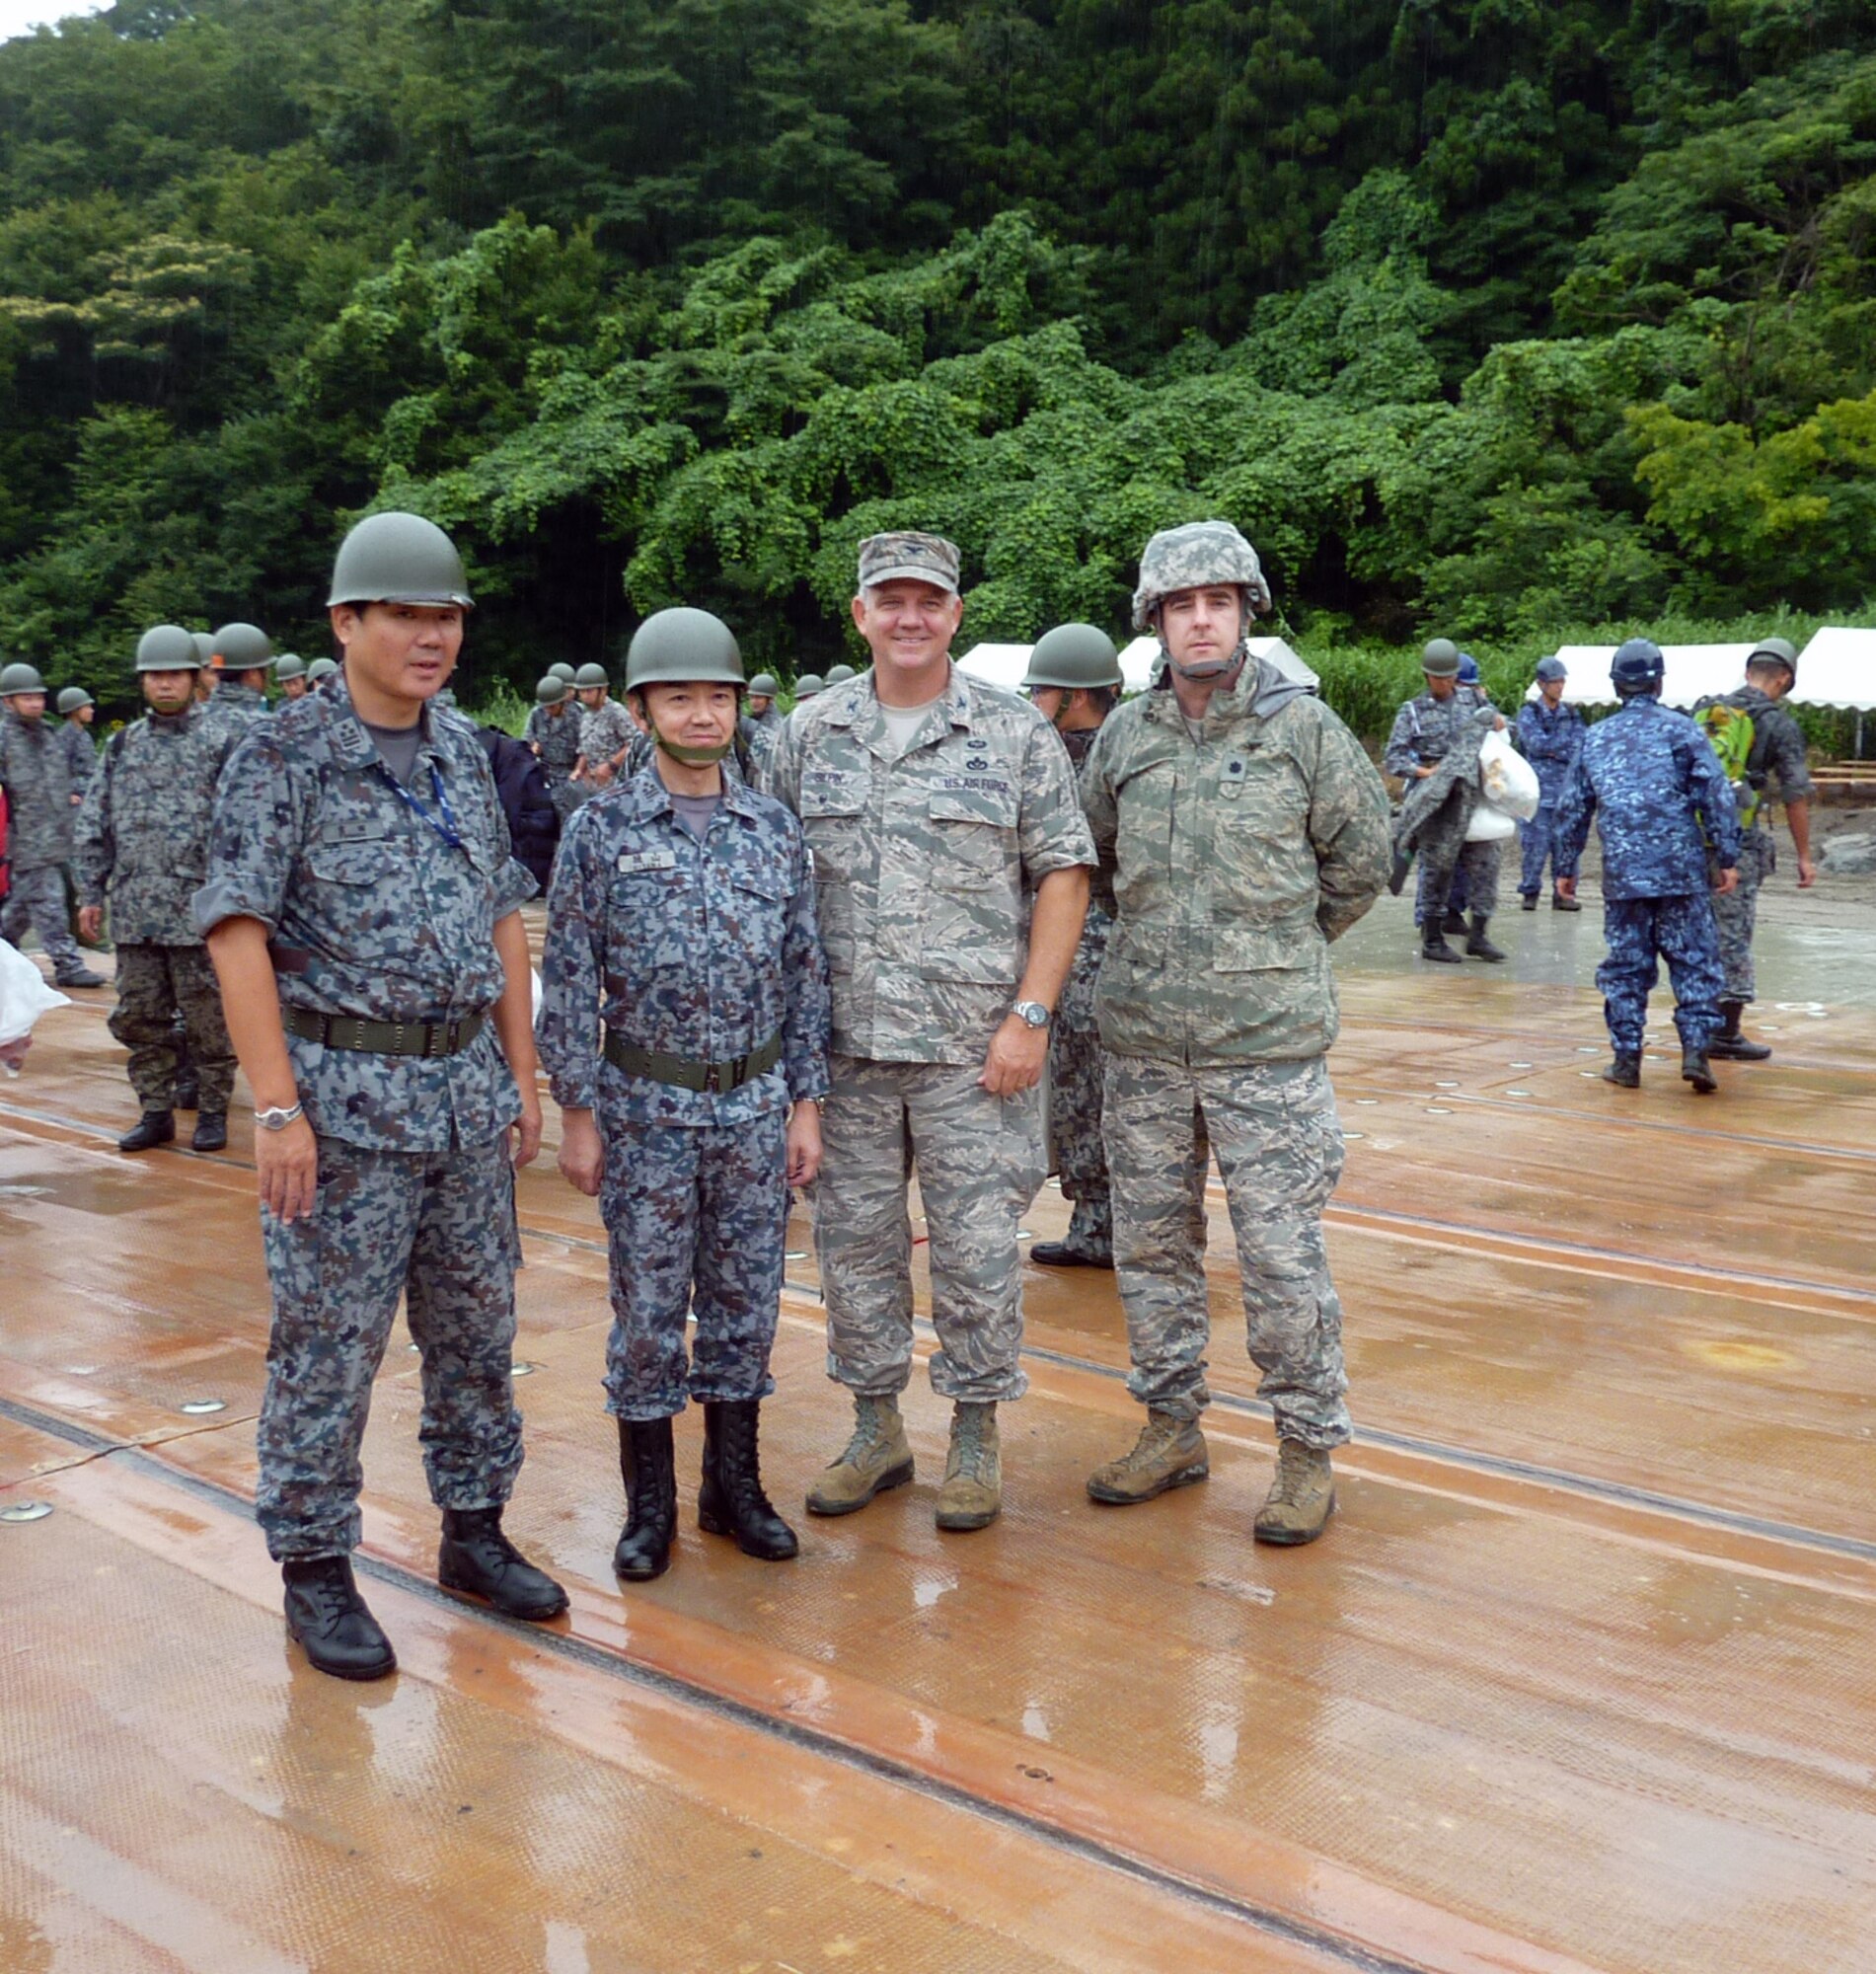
1524,322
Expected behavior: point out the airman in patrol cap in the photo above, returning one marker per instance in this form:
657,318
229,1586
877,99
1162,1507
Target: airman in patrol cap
951,863
362,911
680,926
1250,830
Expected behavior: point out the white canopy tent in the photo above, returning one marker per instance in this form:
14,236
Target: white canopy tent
1838,667
1693,671
1005,665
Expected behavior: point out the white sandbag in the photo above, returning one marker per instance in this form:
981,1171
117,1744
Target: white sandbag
1508,781
1489,825
24,995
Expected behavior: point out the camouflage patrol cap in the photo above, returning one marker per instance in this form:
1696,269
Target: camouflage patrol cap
764,686
1197,556
19,677
1075,657
551,691
840,674
590,676
1781,651
807,685
1552,668
73,696
561,669
1441,660
321,668
908,558
242,648
291,666
168,647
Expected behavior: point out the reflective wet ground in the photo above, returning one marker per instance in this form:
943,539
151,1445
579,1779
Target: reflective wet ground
1584,1675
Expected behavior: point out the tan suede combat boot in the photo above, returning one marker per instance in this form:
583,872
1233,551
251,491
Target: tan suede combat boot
1302,1497
1169,1453
878,1457
972,1497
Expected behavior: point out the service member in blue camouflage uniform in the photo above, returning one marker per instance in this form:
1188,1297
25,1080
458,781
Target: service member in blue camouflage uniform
35,773
1776,755
1549,737
1425,730
680,926
1073,681
762,723
1655,787
361,909
76,711
241,659
141,845
554,734
951,869
606,729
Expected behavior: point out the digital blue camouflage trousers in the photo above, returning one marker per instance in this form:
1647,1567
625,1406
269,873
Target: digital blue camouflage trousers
437,1228
38,899
1537,839
1642,931
696,1221
1279,1144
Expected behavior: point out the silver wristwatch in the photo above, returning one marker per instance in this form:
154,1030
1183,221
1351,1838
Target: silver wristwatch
1032,1012
277,1119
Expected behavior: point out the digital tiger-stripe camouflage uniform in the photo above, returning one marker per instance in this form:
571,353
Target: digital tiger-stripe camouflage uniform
141,848
926,855
1245,840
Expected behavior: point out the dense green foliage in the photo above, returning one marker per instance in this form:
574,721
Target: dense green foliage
1513,319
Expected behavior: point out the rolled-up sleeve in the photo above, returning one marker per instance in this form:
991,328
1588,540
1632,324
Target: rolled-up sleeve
572,966
259,823
1052,831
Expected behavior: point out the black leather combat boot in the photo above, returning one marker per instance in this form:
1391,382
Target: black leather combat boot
331,1621
475,1557
730,1501
153,1129
648,1469
1624,1072
1434,946
1729,1045
210,1133
1694,1070
1477,945
1453,920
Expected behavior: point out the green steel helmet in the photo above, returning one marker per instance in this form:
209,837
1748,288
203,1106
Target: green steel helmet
205,644
807,685
398,558
764,686
293,667
19,677
839,675
321,668
1074,657
242,648
589,676
563,672
1197,556
168,647
1781,651
551,691
1441,660
683,646
73,696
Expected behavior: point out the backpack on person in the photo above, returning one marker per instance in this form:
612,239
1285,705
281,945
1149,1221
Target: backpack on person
1730,729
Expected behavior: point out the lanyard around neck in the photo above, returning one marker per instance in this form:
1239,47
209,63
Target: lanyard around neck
443,818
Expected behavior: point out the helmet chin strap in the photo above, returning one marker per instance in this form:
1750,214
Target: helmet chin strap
1213,668
690,757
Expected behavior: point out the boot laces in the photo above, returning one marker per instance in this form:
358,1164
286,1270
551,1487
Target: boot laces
1296,1470
870,1429
1159,1433
331,1597
970,1443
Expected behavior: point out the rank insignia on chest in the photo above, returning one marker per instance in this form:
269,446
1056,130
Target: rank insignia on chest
1230,777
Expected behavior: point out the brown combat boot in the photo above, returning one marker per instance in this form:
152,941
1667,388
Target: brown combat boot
1169,1453
878,1457
972,1497
1301,1497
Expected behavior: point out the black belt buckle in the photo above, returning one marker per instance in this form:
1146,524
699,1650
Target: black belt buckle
713,1080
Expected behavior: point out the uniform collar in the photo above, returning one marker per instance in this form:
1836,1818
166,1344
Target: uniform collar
646,796
352,745
856,704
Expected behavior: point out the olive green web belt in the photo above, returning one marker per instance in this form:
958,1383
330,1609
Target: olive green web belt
347,1032
718,1078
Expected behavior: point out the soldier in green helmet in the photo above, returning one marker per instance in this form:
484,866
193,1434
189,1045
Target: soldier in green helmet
76,711
1249,830
242,656
554,734
289,674
142,847
36,771
362,909
606,729
839,675
809,687
1073,681
681,927
563,672
762,721
318,671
